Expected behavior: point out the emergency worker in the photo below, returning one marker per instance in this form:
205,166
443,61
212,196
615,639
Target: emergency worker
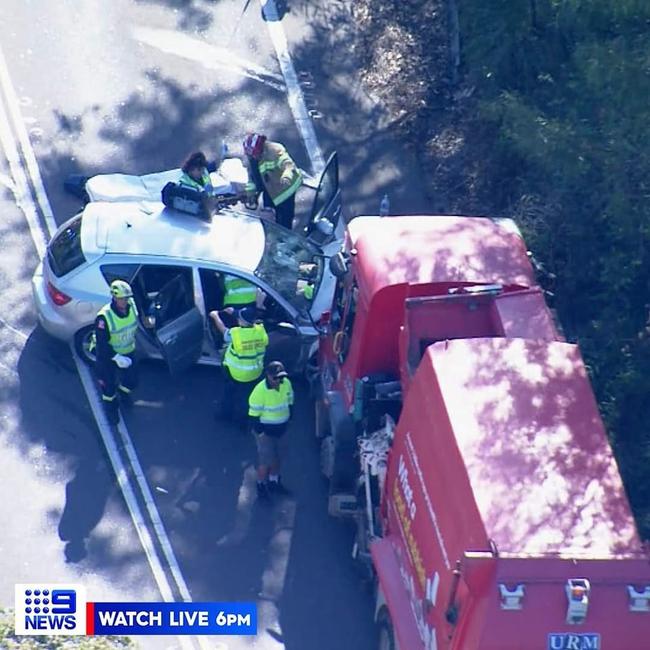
238,293
195,173
243,362
275,174
269,411
115,327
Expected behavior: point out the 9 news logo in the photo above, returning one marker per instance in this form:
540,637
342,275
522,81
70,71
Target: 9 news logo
50,609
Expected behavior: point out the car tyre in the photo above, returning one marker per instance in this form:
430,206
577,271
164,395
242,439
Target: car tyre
82,344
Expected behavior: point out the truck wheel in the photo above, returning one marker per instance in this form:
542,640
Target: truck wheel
82,345
327,457
322,426
385,635
312,374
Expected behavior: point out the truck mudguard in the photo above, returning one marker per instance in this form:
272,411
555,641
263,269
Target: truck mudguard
345,472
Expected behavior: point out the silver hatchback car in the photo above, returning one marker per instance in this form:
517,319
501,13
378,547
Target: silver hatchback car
174,261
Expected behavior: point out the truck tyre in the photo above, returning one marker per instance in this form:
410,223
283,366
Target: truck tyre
322,425
312,375
327,457
345,467
385,634
82,345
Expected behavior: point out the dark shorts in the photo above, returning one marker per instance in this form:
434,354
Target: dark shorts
270,449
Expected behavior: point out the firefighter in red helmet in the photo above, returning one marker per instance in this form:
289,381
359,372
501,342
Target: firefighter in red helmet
275,174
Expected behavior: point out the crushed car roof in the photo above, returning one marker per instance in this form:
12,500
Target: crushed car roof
141,228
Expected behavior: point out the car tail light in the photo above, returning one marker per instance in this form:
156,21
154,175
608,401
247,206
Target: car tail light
58,297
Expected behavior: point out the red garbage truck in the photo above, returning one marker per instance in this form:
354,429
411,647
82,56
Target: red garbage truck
460,432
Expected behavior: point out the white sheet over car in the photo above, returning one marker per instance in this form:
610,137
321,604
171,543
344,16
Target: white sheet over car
231,177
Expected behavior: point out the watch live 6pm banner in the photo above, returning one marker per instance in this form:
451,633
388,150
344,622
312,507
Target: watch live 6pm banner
55,609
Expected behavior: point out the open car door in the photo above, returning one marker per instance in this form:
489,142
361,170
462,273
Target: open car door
324,223
179,325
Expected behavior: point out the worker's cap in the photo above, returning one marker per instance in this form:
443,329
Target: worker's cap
247,315
121,289
254,144
275,370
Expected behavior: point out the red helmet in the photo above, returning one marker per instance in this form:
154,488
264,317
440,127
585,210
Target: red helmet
254,144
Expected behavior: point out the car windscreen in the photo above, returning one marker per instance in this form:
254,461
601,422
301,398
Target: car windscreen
288,263
64,253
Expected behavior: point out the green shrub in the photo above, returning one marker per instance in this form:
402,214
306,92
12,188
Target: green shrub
8,640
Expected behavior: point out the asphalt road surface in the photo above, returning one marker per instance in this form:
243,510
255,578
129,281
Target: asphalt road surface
133,86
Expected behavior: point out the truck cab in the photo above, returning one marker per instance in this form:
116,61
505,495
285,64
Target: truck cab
393,273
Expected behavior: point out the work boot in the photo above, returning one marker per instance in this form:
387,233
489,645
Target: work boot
263,493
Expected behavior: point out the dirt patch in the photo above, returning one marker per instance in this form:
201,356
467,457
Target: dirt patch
405,54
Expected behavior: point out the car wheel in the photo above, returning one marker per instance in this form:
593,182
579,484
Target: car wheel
386,636
82,345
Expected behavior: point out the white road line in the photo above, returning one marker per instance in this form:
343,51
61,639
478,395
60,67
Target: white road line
125,485
209,56
294,91
27,204
23,139
158,525
21,185
275,573
123,480
11,328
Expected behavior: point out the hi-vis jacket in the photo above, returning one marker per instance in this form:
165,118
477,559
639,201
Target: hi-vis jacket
245,354
270,405
203,185
278,172
238,291
121,329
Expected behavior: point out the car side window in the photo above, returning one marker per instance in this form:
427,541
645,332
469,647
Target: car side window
119,272
164,292
212,289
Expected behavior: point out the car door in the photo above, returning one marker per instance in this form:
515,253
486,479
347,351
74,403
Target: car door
284,337
285,340
178,328
325,223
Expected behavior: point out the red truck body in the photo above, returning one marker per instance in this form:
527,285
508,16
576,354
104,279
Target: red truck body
500,461
493,512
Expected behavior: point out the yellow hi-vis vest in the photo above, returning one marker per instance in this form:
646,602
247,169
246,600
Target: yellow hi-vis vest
245,354
121,329
269,405
187,181
238,291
